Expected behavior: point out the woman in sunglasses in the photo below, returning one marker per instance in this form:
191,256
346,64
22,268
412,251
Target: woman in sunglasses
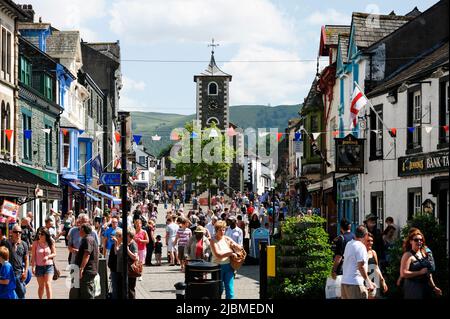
415,268
42,255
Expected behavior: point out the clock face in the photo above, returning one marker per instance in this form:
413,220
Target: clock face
213,104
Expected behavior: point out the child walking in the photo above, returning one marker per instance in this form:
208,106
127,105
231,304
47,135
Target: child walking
158,250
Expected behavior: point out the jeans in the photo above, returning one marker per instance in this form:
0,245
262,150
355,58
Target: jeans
227,277
87,288
20,287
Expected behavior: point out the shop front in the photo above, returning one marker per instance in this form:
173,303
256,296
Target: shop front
347,196
30,191
329,205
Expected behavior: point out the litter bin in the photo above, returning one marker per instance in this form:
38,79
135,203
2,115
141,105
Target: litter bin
202,280
180,289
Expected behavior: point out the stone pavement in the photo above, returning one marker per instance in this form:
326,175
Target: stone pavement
158,282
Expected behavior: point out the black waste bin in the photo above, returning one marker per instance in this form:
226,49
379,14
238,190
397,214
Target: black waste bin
180,289
202,280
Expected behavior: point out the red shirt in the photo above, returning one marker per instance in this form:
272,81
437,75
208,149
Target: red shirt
250,210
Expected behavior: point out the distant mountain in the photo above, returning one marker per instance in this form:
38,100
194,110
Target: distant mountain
244,116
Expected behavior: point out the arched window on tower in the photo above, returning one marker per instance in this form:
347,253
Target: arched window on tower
212,88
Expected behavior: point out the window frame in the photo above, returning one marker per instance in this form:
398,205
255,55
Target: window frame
376,139
412,201
64,145
49,147
414,139
209,88
444,96
27,153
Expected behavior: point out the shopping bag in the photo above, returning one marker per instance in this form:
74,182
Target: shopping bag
333,288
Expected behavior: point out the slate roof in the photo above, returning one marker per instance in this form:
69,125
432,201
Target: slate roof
313,99
369,30
109,49
344,46
213,69
332,33
63,43
432,60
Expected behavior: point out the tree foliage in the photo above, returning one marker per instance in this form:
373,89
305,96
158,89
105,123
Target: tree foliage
205,159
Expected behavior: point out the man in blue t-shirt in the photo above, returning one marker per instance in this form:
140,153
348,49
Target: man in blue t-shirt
107,236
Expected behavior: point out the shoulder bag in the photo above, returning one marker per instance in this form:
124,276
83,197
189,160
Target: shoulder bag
237,262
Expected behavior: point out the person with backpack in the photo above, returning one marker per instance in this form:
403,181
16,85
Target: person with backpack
341,241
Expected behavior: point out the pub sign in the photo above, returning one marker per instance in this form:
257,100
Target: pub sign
349,154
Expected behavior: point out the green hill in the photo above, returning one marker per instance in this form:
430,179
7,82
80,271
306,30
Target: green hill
245,116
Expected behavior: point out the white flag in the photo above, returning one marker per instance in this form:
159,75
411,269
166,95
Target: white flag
358,102
213,133
428,129
46,130
98,133
315,135
156,137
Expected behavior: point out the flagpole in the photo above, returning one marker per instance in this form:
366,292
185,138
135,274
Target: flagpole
373,109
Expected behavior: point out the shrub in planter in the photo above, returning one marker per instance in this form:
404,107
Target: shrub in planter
303,277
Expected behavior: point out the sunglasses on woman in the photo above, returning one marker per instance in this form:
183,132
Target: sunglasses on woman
418,239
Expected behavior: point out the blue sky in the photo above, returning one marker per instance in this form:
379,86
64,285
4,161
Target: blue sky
247,30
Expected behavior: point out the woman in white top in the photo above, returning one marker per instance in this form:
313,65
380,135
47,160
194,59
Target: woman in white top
221,247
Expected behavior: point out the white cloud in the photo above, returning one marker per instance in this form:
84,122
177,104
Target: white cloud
229,21
274,82
330,16
70,14
129,84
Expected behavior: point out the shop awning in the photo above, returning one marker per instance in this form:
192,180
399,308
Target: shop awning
70,183
95,199
17,182
106,195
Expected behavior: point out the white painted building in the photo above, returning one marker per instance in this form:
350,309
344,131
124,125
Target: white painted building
259,175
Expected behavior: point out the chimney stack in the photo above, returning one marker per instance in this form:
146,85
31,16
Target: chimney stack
28,9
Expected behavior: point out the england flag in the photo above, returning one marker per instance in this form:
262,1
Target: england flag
358,102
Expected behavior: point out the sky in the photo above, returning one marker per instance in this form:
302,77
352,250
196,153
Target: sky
164,43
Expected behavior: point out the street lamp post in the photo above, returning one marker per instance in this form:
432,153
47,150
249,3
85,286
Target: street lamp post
123,189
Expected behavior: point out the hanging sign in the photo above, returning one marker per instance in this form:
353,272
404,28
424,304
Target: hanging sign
10,209
349,154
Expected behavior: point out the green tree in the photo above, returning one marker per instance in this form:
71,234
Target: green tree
201,156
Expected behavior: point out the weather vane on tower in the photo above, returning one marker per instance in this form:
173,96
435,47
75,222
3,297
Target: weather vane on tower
213,45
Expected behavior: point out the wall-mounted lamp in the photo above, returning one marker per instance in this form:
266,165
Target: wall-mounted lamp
402,88
392,97
438,73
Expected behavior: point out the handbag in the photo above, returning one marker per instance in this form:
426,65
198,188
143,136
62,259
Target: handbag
97,286
135,269
237,262
56,272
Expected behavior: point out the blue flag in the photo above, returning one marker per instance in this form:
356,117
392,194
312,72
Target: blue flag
298,136
411,129
137,138
80,132
27,134
96,164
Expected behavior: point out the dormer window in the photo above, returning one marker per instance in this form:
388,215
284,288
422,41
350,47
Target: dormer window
212,88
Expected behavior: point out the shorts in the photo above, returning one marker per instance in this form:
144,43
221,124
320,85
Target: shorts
181,255
158,256
171,248
142,255
44,270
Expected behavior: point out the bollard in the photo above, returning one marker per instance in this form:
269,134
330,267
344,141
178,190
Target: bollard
180,289
103,277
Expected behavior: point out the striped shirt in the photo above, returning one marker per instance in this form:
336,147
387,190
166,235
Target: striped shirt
183,236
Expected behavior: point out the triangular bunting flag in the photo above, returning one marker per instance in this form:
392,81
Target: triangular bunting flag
231,131
445,127
117,136
47,130
174,136
194,135
27,134
80,132
65,131
375,131
99,133
156,137
213,133
428,129
137,138
411,129
315,135
279,136
297,136
335,133
393,132
8,134
262,134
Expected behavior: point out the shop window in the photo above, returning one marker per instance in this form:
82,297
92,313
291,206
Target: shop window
414,201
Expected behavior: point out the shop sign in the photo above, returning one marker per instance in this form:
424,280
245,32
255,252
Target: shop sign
349,154
347,189
10,209
423,164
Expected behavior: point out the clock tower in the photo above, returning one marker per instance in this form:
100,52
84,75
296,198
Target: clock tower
213,95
